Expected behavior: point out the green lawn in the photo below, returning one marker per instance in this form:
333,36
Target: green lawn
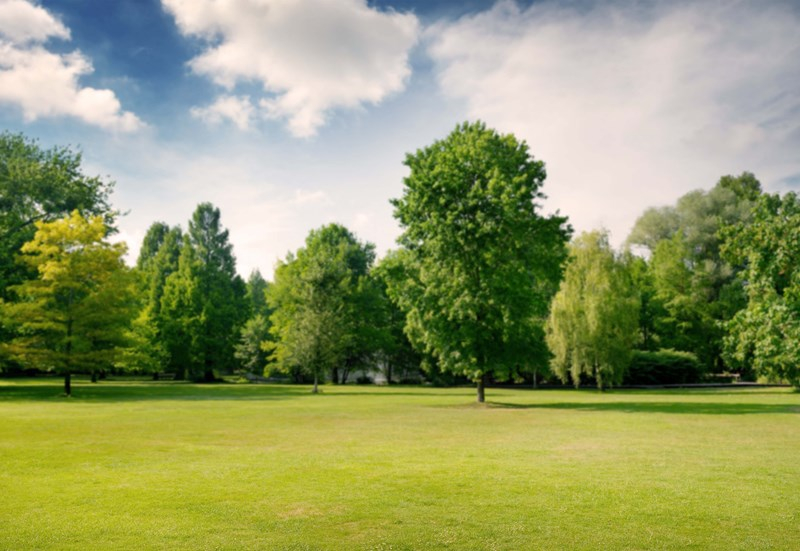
125,465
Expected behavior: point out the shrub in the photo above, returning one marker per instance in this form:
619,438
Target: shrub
663,367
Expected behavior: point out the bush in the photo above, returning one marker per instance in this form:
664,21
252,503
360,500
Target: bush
364,380
663,367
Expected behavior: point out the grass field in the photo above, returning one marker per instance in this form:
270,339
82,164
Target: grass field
125,465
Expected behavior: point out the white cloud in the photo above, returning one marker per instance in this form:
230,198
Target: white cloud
21,21
238,110
310,56
45,84
632,104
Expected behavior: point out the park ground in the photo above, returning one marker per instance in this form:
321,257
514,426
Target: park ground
165,465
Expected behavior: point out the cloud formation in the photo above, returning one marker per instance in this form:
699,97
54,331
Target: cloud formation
309,56
45,84
238,110
632,104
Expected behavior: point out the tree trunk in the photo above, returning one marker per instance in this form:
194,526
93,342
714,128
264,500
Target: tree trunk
94,376
316,389
481,389
535,380
334,375
389,373
68,383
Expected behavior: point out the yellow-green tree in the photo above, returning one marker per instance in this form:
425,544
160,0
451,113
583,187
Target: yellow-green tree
594,316
74,315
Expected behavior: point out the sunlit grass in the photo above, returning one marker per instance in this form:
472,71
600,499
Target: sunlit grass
131,465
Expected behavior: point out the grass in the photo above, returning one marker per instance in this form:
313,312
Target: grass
161,465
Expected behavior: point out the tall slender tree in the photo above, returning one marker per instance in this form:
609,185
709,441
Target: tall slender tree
205,298
158,258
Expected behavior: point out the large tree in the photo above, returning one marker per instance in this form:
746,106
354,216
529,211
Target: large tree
74,315
204,300
487,259
766,333
40,185
591,330
323,300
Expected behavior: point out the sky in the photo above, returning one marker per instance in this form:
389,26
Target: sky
291,114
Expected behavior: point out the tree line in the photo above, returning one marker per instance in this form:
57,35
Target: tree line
483,287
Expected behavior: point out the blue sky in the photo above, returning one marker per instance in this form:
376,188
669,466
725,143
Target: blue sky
288,114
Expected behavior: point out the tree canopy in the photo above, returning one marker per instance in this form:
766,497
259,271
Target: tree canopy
319,320
41,185
766,333
591,330
487,260
694,290
74,315
203,301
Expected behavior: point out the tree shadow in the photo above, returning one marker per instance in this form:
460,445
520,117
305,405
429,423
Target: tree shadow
693,408
153,391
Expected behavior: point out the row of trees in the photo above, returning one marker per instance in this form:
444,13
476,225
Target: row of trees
483,285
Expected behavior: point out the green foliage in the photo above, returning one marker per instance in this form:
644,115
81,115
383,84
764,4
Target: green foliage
651,310
203,305
663,367
326,306
75,314
486,263
158,258
593,319
766,333
39,185
153,239
694,290
250,350
686,322
398,356
256,295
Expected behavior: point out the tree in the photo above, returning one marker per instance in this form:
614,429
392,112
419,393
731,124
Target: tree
39,185
74,315
592,325
204,300
695,291
487,261
318,295
398,355
251,350
256,294
158,258
766,332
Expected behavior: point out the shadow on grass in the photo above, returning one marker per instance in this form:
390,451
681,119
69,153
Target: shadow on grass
694,408
123,392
